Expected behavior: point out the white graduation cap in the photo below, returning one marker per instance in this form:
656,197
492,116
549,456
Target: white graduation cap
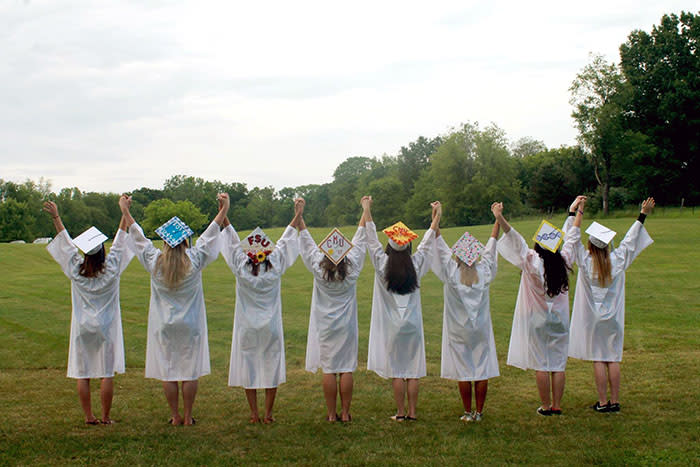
335,246
174,232
468,248
90,241
548,236
600,235
257,245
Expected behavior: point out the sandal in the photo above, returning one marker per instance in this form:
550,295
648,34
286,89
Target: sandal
253,420
346,421
108,421
398,418
269,420
93,422
411,419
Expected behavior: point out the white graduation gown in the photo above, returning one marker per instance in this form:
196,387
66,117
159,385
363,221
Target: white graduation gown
96,346
332,340
468,345
598,317
257,348
539,337
396,342
177,344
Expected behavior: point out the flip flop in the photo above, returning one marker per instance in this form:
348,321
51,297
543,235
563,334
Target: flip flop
345,421
109,421
269,420
411,419
96,421
398,418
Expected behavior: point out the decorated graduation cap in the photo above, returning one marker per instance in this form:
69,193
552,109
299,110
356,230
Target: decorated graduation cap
400,236
600,235
90,241
257,246
335,246
174,232
468,248
548,236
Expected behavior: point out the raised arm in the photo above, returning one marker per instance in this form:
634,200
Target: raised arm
637,238
125,205
497,210
298,220
577,207
424,253
52,209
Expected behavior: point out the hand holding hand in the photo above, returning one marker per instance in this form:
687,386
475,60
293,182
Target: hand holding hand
577,203
299,204
366,202
51,208
224,201
124,203
437,209
647,205
497,209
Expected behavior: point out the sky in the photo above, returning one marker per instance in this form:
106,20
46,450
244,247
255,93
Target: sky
116,95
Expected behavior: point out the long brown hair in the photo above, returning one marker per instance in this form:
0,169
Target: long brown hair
334,272
400,275
556,272
94,264
173,265
602,268
467,274
255,267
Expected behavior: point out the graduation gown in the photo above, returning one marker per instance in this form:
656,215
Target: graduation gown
332,340
396,343
96,348
598,317
539,337
177,344
257,348
468,345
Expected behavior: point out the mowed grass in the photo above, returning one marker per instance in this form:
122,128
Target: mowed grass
41,420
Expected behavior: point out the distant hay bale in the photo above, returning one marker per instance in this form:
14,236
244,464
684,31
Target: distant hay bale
42,240
18,241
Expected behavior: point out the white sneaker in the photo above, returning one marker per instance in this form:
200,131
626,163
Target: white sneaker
467,417
477,417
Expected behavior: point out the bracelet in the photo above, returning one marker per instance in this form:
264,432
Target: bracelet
55,217
580,211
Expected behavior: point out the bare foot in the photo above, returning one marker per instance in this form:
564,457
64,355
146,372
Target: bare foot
254,419
190,422
269,419
92,421
175,421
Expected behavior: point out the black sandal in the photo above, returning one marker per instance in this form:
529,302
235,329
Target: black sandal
398,418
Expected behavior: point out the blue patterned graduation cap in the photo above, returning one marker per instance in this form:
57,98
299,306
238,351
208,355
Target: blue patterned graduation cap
174,232
548,236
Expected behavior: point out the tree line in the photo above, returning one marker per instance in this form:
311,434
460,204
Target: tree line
639,132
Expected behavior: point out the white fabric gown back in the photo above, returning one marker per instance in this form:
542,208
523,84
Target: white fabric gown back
539,337
177,345
598,317
468,345
257,347
332,340
396,342
96,346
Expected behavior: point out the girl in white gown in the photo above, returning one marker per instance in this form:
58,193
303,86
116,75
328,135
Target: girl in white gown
177,345
96,347
332,340
396,343
598,318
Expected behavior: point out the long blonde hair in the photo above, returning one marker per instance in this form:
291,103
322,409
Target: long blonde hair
173,265
602,269
468,275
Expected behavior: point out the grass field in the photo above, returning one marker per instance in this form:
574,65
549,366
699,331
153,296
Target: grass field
41,421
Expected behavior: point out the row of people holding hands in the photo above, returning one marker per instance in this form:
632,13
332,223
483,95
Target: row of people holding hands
177,351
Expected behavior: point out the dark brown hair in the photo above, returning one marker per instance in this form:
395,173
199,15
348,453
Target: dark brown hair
400,275
255,267
556,272
334,272
602,268
94,264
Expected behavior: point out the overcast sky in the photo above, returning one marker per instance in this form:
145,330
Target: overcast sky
114,96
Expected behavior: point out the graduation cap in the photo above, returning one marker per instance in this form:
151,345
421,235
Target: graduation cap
174,232
400,236
257,245
548,236
335,246
468,248
90,241
600,235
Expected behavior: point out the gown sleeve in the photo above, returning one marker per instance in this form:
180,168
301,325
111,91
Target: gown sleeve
231,250
65,253
424,253
490,257
442,264
121,250
208,245
309,251
143,248
572,240
357,254
636,240
287,248
513,248
374,247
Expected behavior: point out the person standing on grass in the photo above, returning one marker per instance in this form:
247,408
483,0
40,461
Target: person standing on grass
96,347
396,343
540,334
468,345
598,318
257,347
332,340
177,346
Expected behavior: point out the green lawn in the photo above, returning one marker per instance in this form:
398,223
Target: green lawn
41,421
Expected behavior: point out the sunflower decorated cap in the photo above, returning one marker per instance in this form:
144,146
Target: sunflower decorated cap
468,248
400,236
600,235
548,236
257,246
335,246
174,232
90,241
